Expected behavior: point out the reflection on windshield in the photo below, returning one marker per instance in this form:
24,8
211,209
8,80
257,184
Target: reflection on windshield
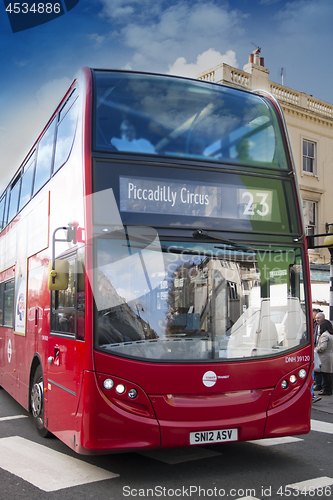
169,116
195,301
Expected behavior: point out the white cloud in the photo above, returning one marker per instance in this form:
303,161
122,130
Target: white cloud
205,61
118,9
20,63
157,36
98,39
301,44
268,2
121,11
49,94
315,15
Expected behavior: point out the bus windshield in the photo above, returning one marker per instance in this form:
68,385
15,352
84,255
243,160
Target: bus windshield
188,119
192,300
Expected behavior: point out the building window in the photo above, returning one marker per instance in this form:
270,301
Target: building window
309,157
232,287
310,216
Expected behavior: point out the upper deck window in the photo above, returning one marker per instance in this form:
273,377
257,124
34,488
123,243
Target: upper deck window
27,180
66,130
2,212
44,158
14,197
175,117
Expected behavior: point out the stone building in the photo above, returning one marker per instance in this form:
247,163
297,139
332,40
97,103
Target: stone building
310,125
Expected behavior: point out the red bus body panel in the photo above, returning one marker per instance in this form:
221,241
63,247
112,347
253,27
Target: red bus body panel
110,427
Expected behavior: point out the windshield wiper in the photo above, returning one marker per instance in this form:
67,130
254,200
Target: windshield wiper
201,233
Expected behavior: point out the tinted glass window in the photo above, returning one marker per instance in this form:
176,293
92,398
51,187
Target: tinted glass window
2,212
156,115
63,305
27,179
80,296
196,300
8,303
66,131
44,158
207,200
14,196
68,306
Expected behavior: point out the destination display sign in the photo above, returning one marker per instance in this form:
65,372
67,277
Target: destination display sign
198,199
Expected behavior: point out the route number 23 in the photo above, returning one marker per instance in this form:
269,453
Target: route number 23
256,203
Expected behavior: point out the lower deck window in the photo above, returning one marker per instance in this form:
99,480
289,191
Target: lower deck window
7,299
7,303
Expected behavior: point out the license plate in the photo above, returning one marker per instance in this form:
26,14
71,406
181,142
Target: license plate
218,436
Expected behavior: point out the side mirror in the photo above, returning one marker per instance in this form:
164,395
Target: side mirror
58,276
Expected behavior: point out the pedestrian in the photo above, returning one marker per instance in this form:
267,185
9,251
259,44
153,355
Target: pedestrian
325,351
318,378
315,311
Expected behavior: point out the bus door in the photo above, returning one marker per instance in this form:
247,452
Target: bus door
65,350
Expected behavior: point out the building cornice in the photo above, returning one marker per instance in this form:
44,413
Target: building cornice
311,189
306,114
292,101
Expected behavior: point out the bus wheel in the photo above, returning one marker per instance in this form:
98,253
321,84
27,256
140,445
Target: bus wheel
37,402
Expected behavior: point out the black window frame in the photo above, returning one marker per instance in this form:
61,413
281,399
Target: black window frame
220,163
29,164
45,179
71,101
79,303
4,209
16,184
8,285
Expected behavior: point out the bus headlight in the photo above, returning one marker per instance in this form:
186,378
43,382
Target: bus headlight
120,389
108,383
132,393
290,385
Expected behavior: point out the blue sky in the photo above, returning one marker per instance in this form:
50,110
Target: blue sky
175,36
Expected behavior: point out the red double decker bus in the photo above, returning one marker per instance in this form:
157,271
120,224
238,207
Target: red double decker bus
154,282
